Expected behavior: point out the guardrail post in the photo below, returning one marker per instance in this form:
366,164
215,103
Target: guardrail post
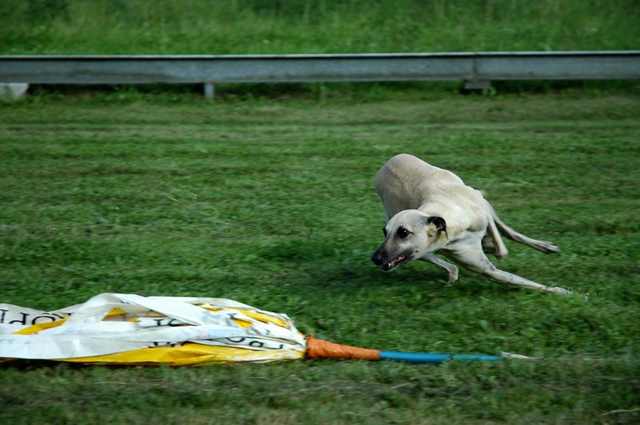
476,82
209,90
477,85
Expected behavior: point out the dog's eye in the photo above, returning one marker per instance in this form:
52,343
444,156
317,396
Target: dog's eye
402,233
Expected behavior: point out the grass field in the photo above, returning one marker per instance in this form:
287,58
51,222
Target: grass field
324,26
271,203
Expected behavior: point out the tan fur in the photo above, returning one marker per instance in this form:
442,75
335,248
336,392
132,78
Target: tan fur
413,192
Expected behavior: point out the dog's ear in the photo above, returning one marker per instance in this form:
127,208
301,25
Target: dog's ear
439,222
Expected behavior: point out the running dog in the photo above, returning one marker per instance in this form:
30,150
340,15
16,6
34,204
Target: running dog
429,209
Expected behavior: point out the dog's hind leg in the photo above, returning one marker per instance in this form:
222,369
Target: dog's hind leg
472,257
492,241
543,246
451,269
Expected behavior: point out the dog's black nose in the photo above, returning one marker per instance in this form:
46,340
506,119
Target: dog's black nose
377,258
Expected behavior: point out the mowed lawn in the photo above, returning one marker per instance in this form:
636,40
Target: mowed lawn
270,203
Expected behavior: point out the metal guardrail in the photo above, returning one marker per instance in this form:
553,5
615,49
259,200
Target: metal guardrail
477,69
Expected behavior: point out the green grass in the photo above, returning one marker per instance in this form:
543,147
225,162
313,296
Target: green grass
271,203
297,26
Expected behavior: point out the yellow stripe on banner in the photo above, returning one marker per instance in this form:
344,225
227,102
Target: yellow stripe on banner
39,327
261,317
116,311
189,354
265,318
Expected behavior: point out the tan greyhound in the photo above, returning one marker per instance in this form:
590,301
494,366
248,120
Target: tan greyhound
430,209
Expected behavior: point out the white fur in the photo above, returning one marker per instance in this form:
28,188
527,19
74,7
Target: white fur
412,191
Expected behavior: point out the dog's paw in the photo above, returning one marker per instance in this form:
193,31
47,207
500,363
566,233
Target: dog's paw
547,247
558,290
453,275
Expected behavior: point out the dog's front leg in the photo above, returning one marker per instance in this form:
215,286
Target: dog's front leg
452,269
470,255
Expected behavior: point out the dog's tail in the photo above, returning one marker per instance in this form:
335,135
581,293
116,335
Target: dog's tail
543,246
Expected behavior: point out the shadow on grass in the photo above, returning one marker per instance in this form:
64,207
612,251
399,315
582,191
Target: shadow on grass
340,268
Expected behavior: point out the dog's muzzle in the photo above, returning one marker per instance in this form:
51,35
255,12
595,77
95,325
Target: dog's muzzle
381,259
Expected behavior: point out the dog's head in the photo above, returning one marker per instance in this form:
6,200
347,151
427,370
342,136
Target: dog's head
409,235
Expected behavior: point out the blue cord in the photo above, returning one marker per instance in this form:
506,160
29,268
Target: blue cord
435,357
